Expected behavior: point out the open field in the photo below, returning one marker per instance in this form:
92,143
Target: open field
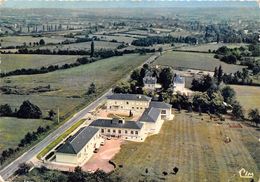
19,40
10,62
196,147
211,46
9,127
248,96
82,46
200,61
70,84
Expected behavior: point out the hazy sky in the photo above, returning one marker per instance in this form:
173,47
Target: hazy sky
123,3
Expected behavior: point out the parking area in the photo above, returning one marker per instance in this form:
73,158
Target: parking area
100,160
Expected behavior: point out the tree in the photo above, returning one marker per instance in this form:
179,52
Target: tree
91,89
216,72
23,169
201,101
42,42
165,77
220,74
137,77
122,87
77,175
5,110
254,116
92,49
29,110
237,110
228,94
51,114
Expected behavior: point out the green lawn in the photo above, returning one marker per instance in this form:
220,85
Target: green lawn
10,62
201,61
248,96
196,147
12,130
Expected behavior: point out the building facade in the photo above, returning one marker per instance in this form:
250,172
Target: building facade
79,147
128,130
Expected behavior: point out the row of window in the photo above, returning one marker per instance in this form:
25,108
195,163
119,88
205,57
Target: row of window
119,131
132,103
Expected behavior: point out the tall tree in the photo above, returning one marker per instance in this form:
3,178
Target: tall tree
254,116
92,47
237,110
228,94
29,110
166,77
220,74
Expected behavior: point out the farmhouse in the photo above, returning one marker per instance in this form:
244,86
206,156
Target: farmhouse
79,147
128,130
128,102
150,82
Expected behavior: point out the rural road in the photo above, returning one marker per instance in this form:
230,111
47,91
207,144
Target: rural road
27,156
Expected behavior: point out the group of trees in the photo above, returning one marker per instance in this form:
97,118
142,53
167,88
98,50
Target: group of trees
28,139
78,175
26,110
150,41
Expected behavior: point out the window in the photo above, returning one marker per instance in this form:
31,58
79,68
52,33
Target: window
115,102
141,108
136,132
137,108
132,132
102,131
163,112
125,131
108,130
114,131
127,102
121,107
119,131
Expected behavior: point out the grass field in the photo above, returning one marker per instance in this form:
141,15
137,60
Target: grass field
196,147
71,84
211,46
12,130
248,96
201,61
83,46
10,62
19,40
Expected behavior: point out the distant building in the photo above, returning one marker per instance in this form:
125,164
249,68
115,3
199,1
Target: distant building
150,82
128,130
79,147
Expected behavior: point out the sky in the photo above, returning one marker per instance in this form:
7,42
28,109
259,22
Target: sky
123,3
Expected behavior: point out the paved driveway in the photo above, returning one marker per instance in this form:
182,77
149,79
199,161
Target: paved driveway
100,160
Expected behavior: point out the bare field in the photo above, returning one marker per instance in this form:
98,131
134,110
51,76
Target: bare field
196,147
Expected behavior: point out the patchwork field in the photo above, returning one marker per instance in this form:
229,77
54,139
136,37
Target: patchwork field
10,62
248,96
70,85
9,137
200,61
83,46
196,147
211,46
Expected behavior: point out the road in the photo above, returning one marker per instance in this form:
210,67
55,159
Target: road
27,156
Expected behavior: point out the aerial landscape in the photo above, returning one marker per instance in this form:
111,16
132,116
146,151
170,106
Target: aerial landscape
131,91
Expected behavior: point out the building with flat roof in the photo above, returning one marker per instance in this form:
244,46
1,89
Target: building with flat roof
80,146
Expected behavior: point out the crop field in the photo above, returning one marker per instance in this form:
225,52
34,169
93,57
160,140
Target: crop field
9,137
248,96
200,61
19,40
10,62
70,85
196,147
211,46
83,46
